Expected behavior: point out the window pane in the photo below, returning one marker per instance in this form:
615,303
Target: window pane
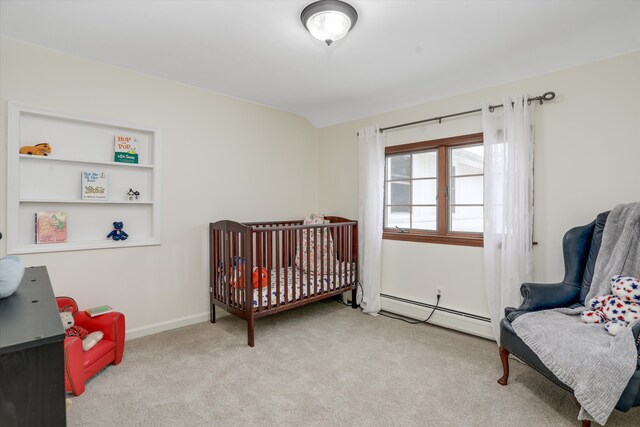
466,218
397,216
424,192
425,165
398,193
467,190
424,218
398,167
466,160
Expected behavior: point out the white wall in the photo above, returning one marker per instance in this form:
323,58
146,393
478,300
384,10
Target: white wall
587,145
223,158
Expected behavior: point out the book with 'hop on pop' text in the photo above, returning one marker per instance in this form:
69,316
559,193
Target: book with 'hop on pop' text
125,149
98,311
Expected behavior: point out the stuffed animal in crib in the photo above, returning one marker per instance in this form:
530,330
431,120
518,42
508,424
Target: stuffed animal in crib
617,310
89,340
259,278
42,149
118,233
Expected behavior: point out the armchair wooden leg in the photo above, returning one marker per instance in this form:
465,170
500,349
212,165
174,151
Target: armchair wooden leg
585,423
504,357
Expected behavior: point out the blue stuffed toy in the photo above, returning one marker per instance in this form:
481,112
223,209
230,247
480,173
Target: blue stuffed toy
118,233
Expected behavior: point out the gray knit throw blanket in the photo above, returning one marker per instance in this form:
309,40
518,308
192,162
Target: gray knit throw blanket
596,365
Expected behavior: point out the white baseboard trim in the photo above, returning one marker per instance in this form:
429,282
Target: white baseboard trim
167,325
441,318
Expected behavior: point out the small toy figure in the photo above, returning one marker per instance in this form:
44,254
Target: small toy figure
118,233
131,194
42,149
137,194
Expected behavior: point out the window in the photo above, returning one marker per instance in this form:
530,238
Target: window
434,191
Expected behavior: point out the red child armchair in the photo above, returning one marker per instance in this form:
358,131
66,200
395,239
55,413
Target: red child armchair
80,365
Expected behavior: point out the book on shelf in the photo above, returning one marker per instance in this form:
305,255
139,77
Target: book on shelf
98,311
94,186
125,149
51,227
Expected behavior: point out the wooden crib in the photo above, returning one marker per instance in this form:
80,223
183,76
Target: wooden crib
263,268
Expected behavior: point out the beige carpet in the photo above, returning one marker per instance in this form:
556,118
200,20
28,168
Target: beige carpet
324,364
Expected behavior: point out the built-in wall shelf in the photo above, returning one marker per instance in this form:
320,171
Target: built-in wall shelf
83,245
54,182
103,202
86,162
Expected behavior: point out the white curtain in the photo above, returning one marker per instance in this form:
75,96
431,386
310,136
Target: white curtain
508,203
371,177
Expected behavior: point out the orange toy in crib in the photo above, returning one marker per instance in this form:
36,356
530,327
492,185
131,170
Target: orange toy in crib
259,278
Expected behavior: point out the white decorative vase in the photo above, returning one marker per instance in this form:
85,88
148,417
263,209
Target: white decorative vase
11,272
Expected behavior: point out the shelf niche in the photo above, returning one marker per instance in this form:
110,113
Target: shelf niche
53,182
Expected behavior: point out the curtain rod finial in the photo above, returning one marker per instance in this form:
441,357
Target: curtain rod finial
548,96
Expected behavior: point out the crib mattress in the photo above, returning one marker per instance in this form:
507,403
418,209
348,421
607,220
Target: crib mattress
322,283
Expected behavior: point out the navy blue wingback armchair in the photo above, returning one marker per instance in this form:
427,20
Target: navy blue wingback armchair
580,247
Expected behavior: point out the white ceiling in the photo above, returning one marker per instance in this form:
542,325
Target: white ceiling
399,54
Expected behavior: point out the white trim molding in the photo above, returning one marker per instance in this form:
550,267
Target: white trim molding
180,322
457,322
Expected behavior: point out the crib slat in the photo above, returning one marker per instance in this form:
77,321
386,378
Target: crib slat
277,267
216,257
223,265
287,262
228,266
259,249
314,284
342,257
322,254
236,261
215,261
345,257
334,259
269,266
299,272
233,266
308,232
348,256
295,266
240,257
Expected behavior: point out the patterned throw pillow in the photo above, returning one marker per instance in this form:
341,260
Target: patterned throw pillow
319,242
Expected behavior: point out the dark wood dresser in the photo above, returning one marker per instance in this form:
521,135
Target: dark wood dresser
31,355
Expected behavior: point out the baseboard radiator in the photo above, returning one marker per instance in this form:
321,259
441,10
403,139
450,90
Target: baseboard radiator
453,319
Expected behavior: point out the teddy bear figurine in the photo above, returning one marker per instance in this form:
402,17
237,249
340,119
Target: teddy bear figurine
617,310
89,340
118,233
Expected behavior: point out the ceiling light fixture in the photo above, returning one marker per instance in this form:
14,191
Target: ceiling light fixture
329,20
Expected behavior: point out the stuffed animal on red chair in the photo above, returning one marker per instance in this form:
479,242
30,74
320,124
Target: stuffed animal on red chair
81,365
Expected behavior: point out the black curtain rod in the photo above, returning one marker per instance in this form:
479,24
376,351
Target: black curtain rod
547,96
